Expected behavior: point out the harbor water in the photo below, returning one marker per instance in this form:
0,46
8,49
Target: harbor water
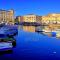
33,46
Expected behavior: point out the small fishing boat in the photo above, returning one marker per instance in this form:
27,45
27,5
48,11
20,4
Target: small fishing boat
5,47
6,39
9,31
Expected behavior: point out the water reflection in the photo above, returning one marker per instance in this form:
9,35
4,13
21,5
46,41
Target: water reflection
45,30
31,28
38,29
34,46
6,52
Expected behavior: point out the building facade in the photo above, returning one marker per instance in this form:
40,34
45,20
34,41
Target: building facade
7,16
51,19
29,18
32,18
19,19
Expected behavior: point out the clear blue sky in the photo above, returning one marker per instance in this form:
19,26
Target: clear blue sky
39,7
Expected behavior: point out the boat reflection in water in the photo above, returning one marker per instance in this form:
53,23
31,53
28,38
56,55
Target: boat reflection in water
7,51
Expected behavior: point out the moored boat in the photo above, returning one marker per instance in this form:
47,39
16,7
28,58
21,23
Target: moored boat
6,39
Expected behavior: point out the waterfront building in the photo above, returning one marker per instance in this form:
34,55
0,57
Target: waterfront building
51,19
7,16
19,19
32,18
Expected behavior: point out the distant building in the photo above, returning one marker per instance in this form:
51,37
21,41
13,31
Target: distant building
51,19
7,16
28,18
32,18
19,19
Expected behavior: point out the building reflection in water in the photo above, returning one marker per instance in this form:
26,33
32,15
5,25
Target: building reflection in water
27,28
30,28
39,29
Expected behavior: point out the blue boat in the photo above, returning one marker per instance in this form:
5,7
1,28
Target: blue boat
53,34
9,31
12,32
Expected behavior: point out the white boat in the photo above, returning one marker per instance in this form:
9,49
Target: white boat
5,46
58,33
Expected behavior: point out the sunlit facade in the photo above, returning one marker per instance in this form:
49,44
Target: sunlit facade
51,19
32,18
7,16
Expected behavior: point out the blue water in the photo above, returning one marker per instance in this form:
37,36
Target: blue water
34,46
